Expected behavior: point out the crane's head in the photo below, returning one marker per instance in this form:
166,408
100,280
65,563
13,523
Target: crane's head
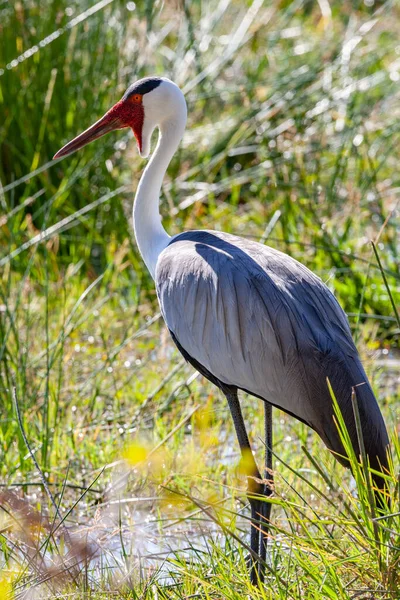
146,104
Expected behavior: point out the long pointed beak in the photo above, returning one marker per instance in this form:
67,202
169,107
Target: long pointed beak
109,122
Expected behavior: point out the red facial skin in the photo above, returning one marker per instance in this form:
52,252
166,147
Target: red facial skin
128,112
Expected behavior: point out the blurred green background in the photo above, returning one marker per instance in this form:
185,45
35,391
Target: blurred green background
293,138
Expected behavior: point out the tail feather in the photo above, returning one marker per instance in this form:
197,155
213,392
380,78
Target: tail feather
345,378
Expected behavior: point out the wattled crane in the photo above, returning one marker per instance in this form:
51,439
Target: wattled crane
246,316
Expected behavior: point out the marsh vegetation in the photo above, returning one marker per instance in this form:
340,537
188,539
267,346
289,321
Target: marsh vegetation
108,439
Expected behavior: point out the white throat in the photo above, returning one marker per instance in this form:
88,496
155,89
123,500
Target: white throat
150,235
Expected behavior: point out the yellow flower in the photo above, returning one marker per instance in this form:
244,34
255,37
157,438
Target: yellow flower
6,589
246,464
135,453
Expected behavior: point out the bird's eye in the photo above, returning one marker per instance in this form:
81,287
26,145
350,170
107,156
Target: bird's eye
137,98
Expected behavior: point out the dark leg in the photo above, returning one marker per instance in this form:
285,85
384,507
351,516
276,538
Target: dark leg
253,486
268,486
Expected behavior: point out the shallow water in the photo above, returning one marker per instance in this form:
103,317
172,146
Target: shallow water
128,537
132,526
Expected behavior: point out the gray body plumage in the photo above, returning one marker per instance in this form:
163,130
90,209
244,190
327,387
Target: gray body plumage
256,319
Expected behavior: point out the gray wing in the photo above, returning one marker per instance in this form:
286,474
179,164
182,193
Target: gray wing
259,320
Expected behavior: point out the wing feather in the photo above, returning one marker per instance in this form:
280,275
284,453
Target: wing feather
259,320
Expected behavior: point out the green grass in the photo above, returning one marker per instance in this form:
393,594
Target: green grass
293,138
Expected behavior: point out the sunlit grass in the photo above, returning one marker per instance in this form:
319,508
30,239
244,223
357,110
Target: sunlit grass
293,139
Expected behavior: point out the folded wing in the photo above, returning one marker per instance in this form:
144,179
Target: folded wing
262,322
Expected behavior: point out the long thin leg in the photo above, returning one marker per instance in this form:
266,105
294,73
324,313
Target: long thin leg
253,486
268,487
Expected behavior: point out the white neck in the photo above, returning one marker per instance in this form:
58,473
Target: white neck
150,235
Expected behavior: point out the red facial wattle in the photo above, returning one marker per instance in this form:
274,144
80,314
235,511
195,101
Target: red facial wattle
128,112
